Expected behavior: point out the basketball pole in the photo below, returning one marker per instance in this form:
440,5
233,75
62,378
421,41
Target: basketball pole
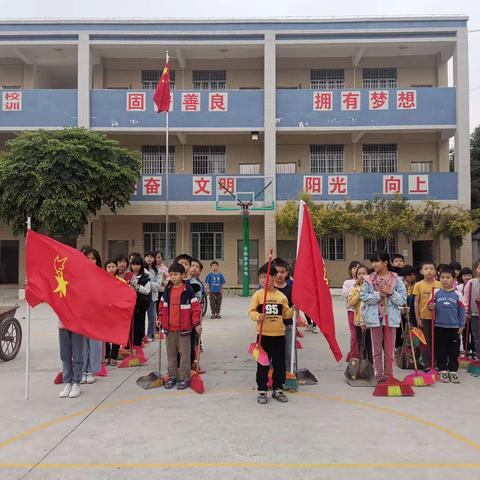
246,252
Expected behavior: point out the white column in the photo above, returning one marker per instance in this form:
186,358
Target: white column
84,80
270,141
462,135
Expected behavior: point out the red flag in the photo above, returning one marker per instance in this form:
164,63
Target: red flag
311,292
161,97
86,299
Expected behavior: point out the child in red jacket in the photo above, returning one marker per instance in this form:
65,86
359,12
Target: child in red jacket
179,313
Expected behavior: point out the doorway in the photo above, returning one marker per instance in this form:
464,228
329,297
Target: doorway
9,261
422,251
253,270
116,248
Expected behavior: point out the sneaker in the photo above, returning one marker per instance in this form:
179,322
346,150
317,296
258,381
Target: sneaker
314,329
212,316
453,376
280,396
262,398
444,377
66,390
170,383
75,391
90,378
218,315
84,379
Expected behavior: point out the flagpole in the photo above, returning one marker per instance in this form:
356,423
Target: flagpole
27,356
167,171
294,327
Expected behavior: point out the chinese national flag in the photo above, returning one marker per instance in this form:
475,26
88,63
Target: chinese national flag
161,97
86,299
311,292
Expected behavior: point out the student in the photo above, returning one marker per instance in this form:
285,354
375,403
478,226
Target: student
282,285
140,282
122,267
449,309
186,261
161,267
472,299
197,285
423,295
354,300
179,315
382,286
71,354
93,349
214,285
466,274
347,286
156,281
457,268
273,334
398,262
111,349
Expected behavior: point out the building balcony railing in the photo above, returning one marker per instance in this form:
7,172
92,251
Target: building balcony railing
193,109
325,187
40,108
366,108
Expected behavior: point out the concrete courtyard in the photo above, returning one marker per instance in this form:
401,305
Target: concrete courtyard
328,431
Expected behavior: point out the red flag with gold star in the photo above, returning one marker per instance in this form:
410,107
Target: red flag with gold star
86,298
161,97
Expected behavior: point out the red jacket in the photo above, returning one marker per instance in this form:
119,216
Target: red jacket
190,311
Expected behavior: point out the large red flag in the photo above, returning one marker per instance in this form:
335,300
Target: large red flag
86,299
161,97
311,292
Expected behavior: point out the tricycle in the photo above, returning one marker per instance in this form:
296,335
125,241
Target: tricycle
10,333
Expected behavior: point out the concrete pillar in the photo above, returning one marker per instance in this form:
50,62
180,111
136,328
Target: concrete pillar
84,80
269,157
462,135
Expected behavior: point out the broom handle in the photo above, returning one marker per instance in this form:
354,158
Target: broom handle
270,256
389,346
197,354
412,348
467,329
433,330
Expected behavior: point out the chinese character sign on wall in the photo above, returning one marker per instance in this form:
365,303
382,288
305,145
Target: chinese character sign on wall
323,101
201,186
190,102
312,184
12,101
226,184
218,102
152,186
135,101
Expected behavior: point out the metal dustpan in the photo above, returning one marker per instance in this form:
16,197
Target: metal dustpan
306,377
359,371
152,380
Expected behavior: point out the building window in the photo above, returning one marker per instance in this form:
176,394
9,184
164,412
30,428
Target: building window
153,159
327,79
150,79
326,158
208,159
286,167
421,167
379,78
381,158
370,246
207,241
249,168
154,238
333,247
209,79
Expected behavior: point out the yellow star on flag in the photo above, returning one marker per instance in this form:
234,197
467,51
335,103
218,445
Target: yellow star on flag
61,286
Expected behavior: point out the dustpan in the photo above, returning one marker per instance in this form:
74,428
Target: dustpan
359,371
306,377
153,379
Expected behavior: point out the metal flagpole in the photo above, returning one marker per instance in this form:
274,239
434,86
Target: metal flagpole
27,356
167,171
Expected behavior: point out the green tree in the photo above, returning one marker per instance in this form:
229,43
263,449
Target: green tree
62,178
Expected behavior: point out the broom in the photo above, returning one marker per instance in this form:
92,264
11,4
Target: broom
432,372
255,348
463,360
392,387
474,367
416,379
130,360
196,382
291,382
58,378
103,372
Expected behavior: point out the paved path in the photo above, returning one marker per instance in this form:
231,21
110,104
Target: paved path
329,431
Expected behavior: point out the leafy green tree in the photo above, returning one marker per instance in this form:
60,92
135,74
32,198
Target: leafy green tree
62,178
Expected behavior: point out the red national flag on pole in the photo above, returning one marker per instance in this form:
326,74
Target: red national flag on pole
311,292
161,97
86,299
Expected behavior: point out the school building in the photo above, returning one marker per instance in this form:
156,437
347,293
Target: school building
340,108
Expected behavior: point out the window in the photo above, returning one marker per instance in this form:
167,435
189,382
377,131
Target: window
153,159
208,159
379,78
327,79
249,168
326,158
207,241
333,247
381,158
286,167
421,167
154,238
370,246
209,79
150,79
